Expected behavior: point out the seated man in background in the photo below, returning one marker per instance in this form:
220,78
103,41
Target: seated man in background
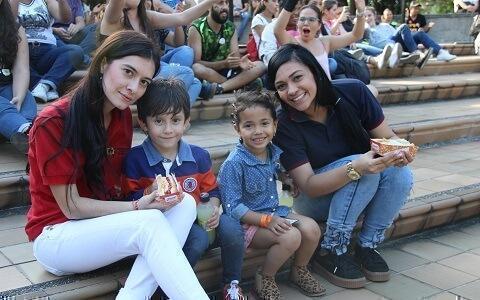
419,27
217,59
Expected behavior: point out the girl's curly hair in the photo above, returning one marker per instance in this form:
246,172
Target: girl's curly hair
9,37
246,100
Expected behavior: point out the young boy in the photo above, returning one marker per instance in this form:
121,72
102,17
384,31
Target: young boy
164,114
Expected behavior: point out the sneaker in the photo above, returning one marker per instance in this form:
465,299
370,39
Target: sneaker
20,141
40,92
410,58
208,90
356,53
424,59
372,264
340,270
383,57
255,85
301,278
444,55
265,287
232,291
395,56
52,94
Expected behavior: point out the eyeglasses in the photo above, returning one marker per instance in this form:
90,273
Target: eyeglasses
307,19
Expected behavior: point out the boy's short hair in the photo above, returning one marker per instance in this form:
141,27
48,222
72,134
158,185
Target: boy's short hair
164,96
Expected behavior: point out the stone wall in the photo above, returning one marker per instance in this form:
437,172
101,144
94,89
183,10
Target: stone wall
451,28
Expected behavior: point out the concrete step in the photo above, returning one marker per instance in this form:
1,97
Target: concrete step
422,123
462,64
391,90
427,88
447,190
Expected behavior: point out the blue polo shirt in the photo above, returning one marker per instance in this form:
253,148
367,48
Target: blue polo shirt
247,183
306,141
192,168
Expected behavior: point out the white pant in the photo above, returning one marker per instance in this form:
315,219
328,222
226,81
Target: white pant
80,246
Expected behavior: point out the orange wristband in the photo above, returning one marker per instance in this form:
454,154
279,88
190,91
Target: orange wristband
265,220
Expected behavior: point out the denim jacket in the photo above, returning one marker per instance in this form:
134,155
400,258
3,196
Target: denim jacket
246,183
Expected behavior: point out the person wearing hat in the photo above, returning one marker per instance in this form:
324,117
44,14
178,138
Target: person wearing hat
419,28
415,20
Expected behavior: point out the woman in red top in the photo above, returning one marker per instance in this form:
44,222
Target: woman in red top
77,146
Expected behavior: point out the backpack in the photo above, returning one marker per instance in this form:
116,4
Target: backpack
350,67
252,48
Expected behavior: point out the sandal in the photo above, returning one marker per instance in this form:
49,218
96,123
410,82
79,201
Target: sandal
301,278
265,287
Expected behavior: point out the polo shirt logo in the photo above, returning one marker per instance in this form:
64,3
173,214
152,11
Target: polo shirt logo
189,184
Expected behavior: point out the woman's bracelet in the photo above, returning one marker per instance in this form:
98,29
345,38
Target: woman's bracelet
265,220
135,205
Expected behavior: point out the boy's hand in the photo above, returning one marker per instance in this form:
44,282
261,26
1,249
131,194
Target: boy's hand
154,201
279,225
214,220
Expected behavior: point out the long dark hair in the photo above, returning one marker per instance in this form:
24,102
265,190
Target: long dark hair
326,95
9,37
84,129
144,22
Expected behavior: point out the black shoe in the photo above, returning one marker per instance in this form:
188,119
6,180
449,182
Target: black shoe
340,270
20,141
424,59
208,90
372,264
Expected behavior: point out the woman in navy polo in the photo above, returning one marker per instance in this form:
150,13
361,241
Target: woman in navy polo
324,130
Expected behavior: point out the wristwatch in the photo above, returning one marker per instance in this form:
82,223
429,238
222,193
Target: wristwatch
359,14
352,173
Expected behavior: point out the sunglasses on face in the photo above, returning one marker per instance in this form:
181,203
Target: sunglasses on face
307,19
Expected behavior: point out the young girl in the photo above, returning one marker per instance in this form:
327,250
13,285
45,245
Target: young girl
17,105
247,182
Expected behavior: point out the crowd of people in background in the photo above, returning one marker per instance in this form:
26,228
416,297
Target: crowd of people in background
165,55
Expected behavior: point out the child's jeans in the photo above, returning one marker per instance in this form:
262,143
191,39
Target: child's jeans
79,246
378,196
230,239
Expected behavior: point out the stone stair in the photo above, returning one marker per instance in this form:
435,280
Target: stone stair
436,108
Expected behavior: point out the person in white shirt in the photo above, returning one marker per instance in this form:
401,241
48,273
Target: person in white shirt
266,11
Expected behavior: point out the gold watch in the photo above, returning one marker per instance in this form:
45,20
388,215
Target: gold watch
352,173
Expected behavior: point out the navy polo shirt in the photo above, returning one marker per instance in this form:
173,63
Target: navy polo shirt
305,141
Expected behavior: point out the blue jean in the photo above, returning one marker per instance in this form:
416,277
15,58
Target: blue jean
10,118
51,65
409,40
85,39
184,74
182,56
244,18
230,239
332,65
369,49
379,196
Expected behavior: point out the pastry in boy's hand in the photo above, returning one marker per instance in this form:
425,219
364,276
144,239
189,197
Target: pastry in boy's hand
168,187
384,146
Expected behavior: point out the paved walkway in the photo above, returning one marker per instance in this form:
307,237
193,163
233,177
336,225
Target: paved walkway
445,265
